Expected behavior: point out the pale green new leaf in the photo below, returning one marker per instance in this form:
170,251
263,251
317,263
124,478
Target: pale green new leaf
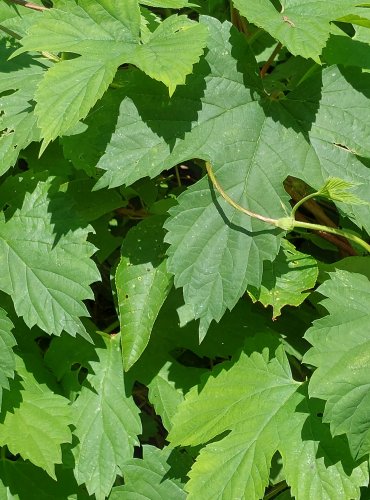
341,353
339,190
35,421
45,265
142,283
303,27
106,420
154,477
255,398
158,56
285,281
7,359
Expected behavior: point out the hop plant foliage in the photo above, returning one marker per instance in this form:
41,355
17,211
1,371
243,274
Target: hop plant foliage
184,240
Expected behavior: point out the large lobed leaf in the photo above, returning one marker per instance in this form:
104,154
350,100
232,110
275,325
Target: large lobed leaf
35,420
157,476
303,27
45,260
106,420
19,80
106,35
249,409
253,141
341,351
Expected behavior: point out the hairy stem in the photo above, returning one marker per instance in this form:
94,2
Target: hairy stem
233,203
29,5
285,223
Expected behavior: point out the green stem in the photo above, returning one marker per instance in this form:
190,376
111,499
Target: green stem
300,202
332,230
233,203
275,490
112,327
285,223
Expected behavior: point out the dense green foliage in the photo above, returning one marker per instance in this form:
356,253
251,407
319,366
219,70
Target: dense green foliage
184,240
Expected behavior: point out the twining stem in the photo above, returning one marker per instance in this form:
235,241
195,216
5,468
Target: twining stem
270,60
286,223
233,203
302,201
333,230
29,5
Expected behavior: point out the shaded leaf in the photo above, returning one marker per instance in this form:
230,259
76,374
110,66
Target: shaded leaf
106,421
341,349
46,273
286,280
142,283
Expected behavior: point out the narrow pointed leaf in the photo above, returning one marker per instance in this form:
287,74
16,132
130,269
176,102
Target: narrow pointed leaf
142,282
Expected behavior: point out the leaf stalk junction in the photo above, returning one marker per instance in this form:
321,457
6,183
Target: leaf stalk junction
286,223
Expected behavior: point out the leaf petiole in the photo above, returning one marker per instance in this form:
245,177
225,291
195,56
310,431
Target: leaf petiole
286,223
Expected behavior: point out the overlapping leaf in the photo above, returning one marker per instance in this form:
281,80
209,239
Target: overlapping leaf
35,421
341,350
142,282
286,280
7,342
45,261
157,476
19,80
255,398
107,422
106,35
302,27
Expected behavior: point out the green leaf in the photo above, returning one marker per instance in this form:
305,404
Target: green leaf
339,190
167,388
19,80
156,56
157,476
45,263
327,475
103,33
285,280
337,95
341,348
21,480
35,421
106,421
216,252
7,342
106,35
142,283
302,27
255,398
